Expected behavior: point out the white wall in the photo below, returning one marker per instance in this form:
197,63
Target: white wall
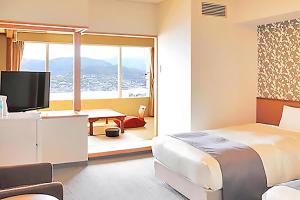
111,16
266,11
174,55
68,12
224,60
224,77
223,71
115,16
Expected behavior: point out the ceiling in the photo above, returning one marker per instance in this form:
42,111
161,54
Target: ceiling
145,1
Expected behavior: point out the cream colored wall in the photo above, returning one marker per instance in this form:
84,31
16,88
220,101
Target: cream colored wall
128,106
69,12
174,76
224,62
116,16
208,69
224,76
111,16
266,11
2,52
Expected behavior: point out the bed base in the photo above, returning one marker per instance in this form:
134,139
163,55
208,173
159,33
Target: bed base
183,185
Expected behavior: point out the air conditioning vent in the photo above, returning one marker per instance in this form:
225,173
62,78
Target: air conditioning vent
213,9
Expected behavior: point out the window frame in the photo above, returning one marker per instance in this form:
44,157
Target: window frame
47,64
120,67
120,71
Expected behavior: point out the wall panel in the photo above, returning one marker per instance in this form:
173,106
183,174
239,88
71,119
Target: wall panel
279,60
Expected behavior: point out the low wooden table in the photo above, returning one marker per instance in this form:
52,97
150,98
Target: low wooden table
95,115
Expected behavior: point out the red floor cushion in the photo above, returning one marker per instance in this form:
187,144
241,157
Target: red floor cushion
131,122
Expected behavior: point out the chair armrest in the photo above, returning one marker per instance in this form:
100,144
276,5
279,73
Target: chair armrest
54,189
14,176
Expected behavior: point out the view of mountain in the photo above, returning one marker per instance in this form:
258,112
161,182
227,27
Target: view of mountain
96,75
60,66
136,63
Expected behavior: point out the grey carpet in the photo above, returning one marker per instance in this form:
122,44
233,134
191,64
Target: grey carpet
126,178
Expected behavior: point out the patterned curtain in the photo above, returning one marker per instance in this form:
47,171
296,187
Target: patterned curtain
18,48
151,95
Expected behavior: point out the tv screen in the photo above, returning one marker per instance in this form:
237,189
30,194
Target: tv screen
25,90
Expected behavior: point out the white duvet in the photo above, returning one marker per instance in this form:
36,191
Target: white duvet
279,150
281,193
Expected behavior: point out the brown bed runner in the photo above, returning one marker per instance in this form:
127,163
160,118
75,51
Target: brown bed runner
242,169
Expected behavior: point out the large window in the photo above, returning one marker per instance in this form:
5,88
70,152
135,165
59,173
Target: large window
34,57
55,58
61,68
135,71
114,72
99,72
106,71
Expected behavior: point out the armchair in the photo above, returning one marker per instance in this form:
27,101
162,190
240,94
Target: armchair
29,179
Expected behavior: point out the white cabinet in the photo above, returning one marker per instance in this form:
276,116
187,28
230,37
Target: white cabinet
18,141
62,139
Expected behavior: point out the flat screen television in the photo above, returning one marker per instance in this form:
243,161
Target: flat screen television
25,90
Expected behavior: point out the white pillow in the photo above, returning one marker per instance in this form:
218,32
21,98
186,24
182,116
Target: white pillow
290,118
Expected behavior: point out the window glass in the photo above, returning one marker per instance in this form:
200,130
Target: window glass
34,57
61,68
135,71
99,72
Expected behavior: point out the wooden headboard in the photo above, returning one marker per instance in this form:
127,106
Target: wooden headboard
269,111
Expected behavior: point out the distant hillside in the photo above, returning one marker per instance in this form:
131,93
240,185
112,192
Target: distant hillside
63,66
137,63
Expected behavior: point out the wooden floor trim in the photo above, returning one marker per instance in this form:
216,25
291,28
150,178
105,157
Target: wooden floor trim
119,152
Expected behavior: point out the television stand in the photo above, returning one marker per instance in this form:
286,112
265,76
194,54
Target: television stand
56,137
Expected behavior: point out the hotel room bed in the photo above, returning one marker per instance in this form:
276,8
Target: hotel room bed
278,149
286,191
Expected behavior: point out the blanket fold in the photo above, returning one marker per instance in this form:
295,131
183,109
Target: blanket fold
243,173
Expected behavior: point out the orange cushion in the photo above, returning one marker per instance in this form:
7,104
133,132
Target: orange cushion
131,122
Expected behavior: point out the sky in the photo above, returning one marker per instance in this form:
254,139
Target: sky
38,51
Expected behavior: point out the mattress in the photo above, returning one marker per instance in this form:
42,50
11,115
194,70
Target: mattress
278,149
281,193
